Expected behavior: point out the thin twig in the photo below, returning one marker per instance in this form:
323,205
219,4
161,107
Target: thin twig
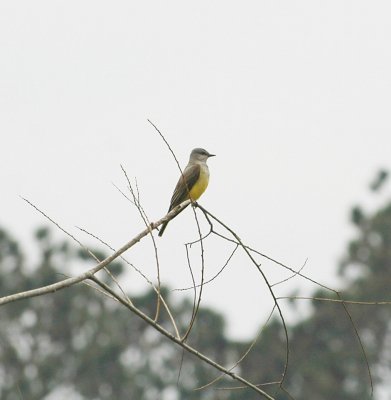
247,251
245,353
364,353
144,217
82,246
214,276
197,306
364,303
292,276
147,280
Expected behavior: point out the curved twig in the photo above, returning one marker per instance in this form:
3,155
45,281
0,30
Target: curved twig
247,251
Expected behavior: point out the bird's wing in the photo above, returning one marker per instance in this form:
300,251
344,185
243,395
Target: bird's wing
181,193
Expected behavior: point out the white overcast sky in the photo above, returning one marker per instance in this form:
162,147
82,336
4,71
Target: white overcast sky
294,97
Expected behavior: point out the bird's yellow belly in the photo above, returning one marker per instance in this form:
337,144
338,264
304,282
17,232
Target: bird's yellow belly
200,186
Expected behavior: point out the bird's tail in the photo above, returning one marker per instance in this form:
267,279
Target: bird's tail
163,228
164,225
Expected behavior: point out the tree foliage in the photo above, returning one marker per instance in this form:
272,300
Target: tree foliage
79,343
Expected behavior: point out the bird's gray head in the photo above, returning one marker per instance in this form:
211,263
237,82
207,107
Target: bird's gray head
199,154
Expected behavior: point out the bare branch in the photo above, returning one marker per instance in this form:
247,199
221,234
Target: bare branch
252,344
214,276
181,343
144,217
248,253
197,306
292,276
147,280
364,303
90,273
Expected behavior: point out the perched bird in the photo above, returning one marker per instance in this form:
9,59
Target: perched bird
193,182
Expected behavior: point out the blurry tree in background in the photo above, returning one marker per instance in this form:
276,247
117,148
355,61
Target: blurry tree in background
326,361
80,344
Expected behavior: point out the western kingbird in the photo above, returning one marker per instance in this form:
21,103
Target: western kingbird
193,181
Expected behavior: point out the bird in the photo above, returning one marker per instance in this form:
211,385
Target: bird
193,182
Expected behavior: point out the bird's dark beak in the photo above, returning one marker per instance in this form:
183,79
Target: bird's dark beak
211,155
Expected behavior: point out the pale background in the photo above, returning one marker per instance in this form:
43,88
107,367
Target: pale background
294,97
